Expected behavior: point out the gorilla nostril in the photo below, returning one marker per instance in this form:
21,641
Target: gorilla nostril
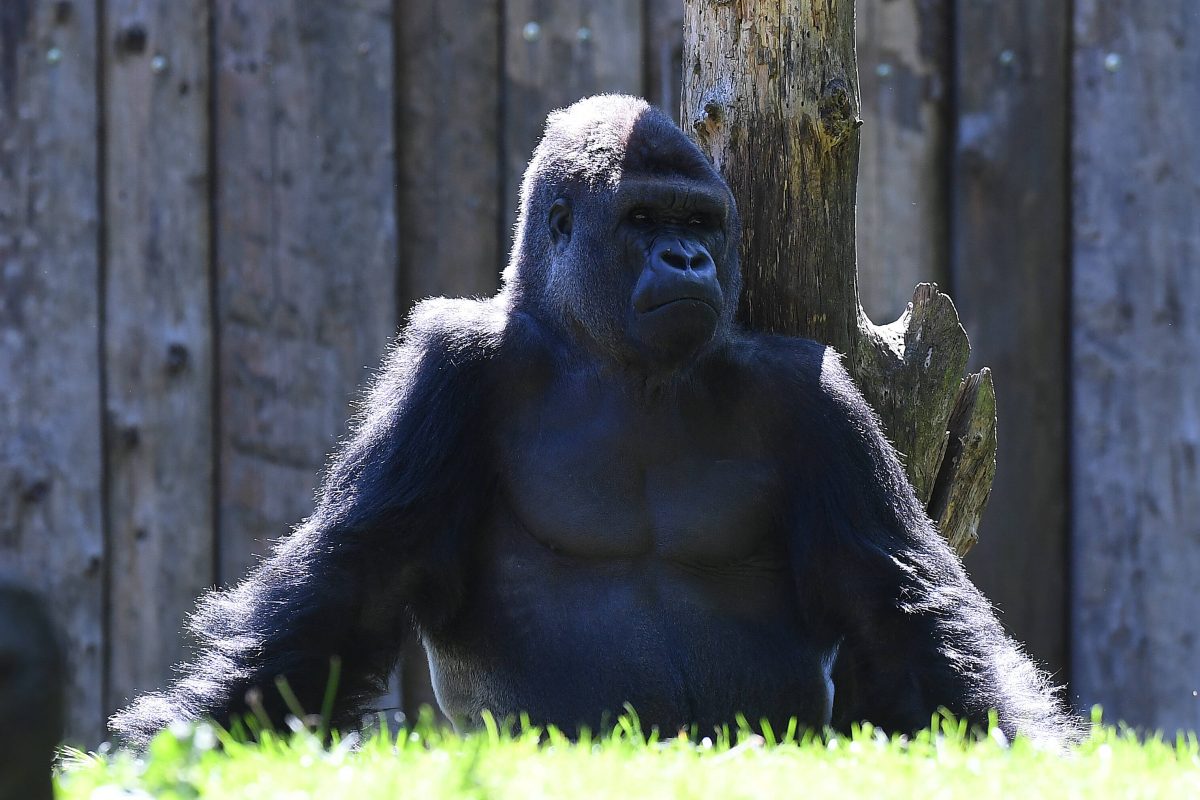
673,259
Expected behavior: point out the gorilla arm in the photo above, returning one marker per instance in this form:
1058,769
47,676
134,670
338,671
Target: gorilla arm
382,548
913,634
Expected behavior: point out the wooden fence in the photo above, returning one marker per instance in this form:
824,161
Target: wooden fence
214,214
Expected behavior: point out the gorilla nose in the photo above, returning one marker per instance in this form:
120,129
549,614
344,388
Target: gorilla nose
684,256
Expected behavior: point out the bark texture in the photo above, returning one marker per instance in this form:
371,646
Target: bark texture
771,94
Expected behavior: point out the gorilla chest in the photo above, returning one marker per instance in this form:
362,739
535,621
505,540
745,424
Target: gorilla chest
597,476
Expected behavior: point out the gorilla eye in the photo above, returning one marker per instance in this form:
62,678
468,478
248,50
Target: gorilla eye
696,221
639,215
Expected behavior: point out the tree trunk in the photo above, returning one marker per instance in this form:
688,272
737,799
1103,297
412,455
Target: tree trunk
770,92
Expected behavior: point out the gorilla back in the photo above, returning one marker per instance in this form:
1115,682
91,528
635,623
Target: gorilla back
596,489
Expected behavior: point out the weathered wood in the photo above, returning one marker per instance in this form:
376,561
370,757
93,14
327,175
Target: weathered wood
913,377
1136,334
306,250
158,335
1009,267
662,56
770,93
904,71
451,223
449,153
556,53
51,485
969,464
31,694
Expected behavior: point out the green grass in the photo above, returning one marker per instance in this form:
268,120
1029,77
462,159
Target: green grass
429,763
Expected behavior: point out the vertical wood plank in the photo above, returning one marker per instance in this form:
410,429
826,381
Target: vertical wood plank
902,228
556,53
1009,273
449,153
306,247
663,56
51,482
158,337
1136,392
449,167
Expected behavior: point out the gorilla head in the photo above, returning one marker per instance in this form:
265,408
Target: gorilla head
627,235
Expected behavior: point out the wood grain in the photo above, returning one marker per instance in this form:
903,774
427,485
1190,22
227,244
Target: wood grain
556,53
449,152
1009,274
663,55
51,464
1136,393
969,464
902,226
158,334
306,248
760,83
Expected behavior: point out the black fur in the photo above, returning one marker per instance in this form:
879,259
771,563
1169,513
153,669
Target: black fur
595,488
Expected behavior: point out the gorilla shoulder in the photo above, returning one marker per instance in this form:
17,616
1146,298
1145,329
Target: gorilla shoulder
460,325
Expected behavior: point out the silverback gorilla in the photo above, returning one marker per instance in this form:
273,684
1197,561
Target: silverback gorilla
596,489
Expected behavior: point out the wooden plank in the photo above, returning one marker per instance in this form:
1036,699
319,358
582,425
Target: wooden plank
1136,395
1009,272
51,476
158,336
663,56
556,53
306,247
902,228
449,153
449,163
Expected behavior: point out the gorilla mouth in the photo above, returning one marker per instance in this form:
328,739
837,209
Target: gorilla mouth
701,300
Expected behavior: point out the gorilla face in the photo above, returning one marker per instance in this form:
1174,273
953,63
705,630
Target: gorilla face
651,248
627,237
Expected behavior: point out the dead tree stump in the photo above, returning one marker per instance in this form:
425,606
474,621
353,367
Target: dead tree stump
770,93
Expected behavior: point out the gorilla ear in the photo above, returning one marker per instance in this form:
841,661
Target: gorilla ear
560,223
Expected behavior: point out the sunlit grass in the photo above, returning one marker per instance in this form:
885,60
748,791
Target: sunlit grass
527,762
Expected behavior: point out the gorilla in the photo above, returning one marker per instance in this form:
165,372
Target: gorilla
595,489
